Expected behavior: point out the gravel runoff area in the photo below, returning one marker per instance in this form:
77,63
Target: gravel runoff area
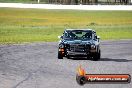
73,7
35,65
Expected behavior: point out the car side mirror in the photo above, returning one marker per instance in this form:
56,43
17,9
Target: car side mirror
98,37
60,37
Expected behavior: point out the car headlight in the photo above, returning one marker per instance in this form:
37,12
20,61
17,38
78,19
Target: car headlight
61,45
93,46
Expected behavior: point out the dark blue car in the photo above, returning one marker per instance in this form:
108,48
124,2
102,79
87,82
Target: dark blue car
79,43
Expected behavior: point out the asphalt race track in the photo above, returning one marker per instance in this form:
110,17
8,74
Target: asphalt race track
35,65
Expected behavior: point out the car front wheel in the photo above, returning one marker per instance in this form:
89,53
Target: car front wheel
60,55
97,56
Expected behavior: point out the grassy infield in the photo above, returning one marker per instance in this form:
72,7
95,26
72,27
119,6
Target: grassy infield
19,1
31,25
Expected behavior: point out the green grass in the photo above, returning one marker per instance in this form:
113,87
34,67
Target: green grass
18,1
24,1
38,25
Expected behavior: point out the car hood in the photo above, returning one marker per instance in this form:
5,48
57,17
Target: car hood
78,41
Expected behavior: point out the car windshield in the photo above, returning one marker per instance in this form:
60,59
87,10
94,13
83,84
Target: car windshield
78,34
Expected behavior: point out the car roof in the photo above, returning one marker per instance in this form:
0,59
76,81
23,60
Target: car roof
78,29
